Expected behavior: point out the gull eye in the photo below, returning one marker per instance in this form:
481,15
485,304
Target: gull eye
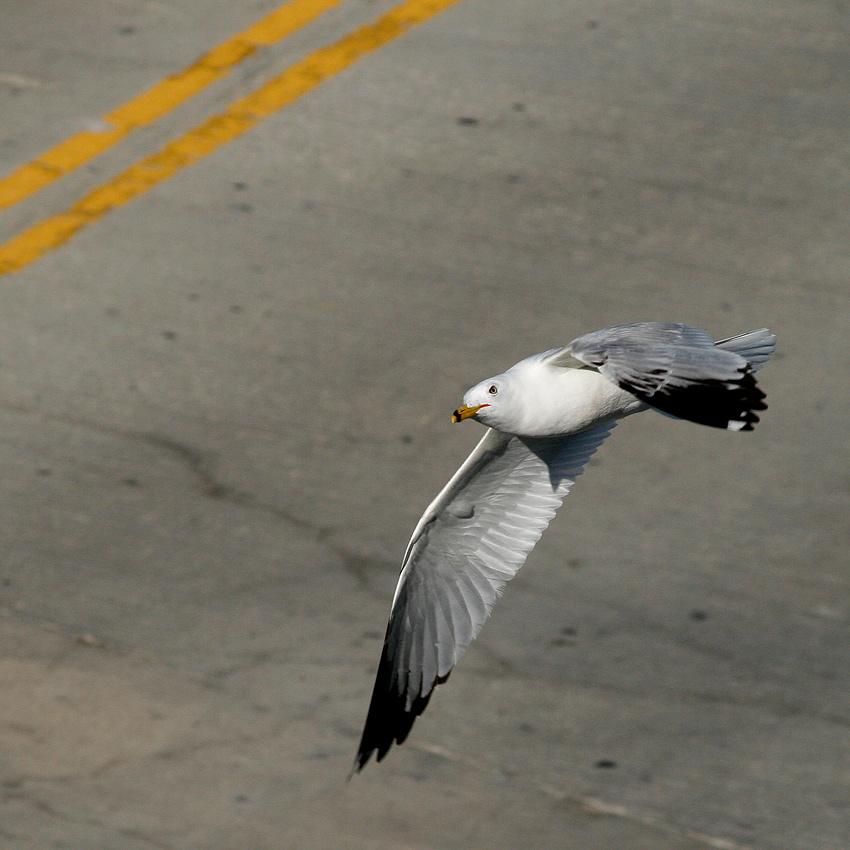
493,390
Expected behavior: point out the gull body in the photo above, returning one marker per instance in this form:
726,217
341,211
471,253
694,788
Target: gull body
535,398
545,418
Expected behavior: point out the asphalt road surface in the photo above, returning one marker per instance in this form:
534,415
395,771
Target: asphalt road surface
232,332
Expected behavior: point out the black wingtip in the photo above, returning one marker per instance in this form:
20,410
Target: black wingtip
389,720
719,404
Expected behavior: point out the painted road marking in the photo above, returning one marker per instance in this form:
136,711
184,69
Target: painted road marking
216,131
157,101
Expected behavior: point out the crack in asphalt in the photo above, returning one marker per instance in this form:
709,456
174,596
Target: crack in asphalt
586,804
203,466
41,806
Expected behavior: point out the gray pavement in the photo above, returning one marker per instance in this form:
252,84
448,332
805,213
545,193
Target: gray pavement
224,406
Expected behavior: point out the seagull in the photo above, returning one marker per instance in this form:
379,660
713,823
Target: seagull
545,418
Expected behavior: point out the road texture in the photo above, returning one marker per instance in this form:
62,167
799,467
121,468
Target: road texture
225,402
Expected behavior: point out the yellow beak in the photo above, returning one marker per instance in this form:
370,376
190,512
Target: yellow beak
464,412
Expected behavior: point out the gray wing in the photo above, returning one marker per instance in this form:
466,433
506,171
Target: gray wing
472,540
680,370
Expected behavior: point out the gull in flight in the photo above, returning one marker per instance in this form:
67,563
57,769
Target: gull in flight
545,417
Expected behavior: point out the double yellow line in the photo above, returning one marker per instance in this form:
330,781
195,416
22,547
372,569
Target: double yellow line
202,140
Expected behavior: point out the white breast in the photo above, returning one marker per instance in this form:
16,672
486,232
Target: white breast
558,400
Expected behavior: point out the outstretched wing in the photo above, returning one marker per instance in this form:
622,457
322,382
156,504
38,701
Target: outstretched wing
681,370
472,540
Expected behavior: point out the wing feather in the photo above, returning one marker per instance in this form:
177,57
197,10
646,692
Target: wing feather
470,542
755,346
680,370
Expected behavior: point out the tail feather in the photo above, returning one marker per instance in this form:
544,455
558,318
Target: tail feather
755,346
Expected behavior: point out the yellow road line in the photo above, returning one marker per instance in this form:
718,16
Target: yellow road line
158,100
239,117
